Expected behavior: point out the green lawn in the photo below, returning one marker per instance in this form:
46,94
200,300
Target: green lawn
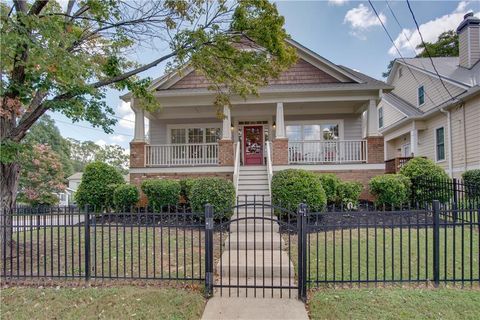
396,254
159,252
394,303
101,303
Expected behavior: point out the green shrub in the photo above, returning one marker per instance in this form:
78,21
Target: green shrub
161,192
390,189
185,186
293,186
420,168
125,197
471,178
109,204
220,193
95,189
349,192
330,183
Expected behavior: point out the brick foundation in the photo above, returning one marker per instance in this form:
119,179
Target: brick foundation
280,152
137,178
226,155
362,176
375,150
137,154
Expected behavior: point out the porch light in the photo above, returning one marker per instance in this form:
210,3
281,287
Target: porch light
231,126
274,125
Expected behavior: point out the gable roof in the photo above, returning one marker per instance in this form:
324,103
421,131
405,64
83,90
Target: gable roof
311,70
447,67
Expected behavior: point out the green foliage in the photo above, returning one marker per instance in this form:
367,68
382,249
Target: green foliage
390,189
10,151
95,189
445,46
41,176
218,192
161,192
349,192
110,190
330,183
185,186
125,197
471,179
292,186
419,168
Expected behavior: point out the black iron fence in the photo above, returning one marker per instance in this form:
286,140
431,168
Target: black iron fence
428,243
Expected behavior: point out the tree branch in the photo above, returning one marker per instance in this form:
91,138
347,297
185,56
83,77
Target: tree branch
37,7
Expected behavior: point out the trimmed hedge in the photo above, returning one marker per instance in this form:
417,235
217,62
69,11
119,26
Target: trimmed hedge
330,183
349,192
161,192
390,189
95,189
471,178
418,168
293,186
125,197
218,192
185,186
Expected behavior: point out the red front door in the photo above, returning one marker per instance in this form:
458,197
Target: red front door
253,145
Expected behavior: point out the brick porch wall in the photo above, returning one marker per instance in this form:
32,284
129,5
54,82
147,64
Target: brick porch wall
280,152
375,149
137,178
137,154
226,154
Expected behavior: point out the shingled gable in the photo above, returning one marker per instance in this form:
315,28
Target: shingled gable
309,69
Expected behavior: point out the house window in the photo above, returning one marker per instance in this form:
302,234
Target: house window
421,95
194,135
380,117
313,132
440,144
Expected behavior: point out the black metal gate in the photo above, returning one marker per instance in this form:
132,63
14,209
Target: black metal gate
257,253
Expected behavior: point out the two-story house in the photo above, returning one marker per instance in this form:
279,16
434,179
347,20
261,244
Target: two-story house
435,115
317,116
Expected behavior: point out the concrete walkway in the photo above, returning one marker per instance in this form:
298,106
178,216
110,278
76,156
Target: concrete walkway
254,308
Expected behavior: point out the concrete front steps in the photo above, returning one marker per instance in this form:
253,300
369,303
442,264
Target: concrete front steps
253,257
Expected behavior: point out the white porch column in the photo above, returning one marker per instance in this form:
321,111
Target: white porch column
372,119
280,122
139,133
414,141
226,132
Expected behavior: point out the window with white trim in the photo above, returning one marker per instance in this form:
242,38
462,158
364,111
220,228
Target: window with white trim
195,135
313,132
440,144
421,95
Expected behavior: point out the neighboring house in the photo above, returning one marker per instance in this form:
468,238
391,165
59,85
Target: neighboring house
317,116
419,117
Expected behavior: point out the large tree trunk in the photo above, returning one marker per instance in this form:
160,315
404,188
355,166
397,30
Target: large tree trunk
9,176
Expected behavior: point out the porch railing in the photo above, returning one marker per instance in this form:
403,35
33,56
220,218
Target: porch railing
394,165
312,152
181,154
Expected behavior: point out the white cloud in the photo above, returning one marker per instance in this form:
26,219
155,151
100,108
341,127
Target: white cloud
337,2
361,19
127,121
409,39
124,108
118,138
101,142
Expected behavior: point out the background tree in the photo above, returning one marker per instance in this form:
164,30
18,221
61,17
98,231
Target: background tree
44,131
42,175
85,152
115,156
445,46
63,58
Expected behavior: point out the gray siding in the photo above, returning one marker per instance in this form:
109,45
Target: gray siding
390,114
158,128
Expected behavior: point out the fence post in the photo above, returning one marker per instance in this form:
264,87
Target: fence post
455,200
436,242
302,251
208,250
87,244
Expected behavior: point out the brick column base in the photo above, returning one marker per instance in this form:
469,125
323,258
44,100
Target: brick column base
375,150
226,155
280,151
137,154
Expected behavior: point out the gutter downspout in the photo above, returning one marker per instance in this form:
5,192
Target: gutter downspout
450,148
464,139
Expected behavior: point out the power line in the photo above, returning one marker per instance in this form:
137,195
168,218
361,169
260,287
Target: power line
398,50
426,50
85,127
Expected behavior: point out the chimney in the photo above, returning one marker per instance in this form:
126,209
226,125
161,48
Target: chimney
469,40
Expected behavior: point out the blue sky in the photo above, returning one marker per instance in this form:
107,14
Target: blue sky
344,31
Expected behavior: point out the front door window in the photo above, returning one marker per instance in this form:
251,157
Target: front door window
253,145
